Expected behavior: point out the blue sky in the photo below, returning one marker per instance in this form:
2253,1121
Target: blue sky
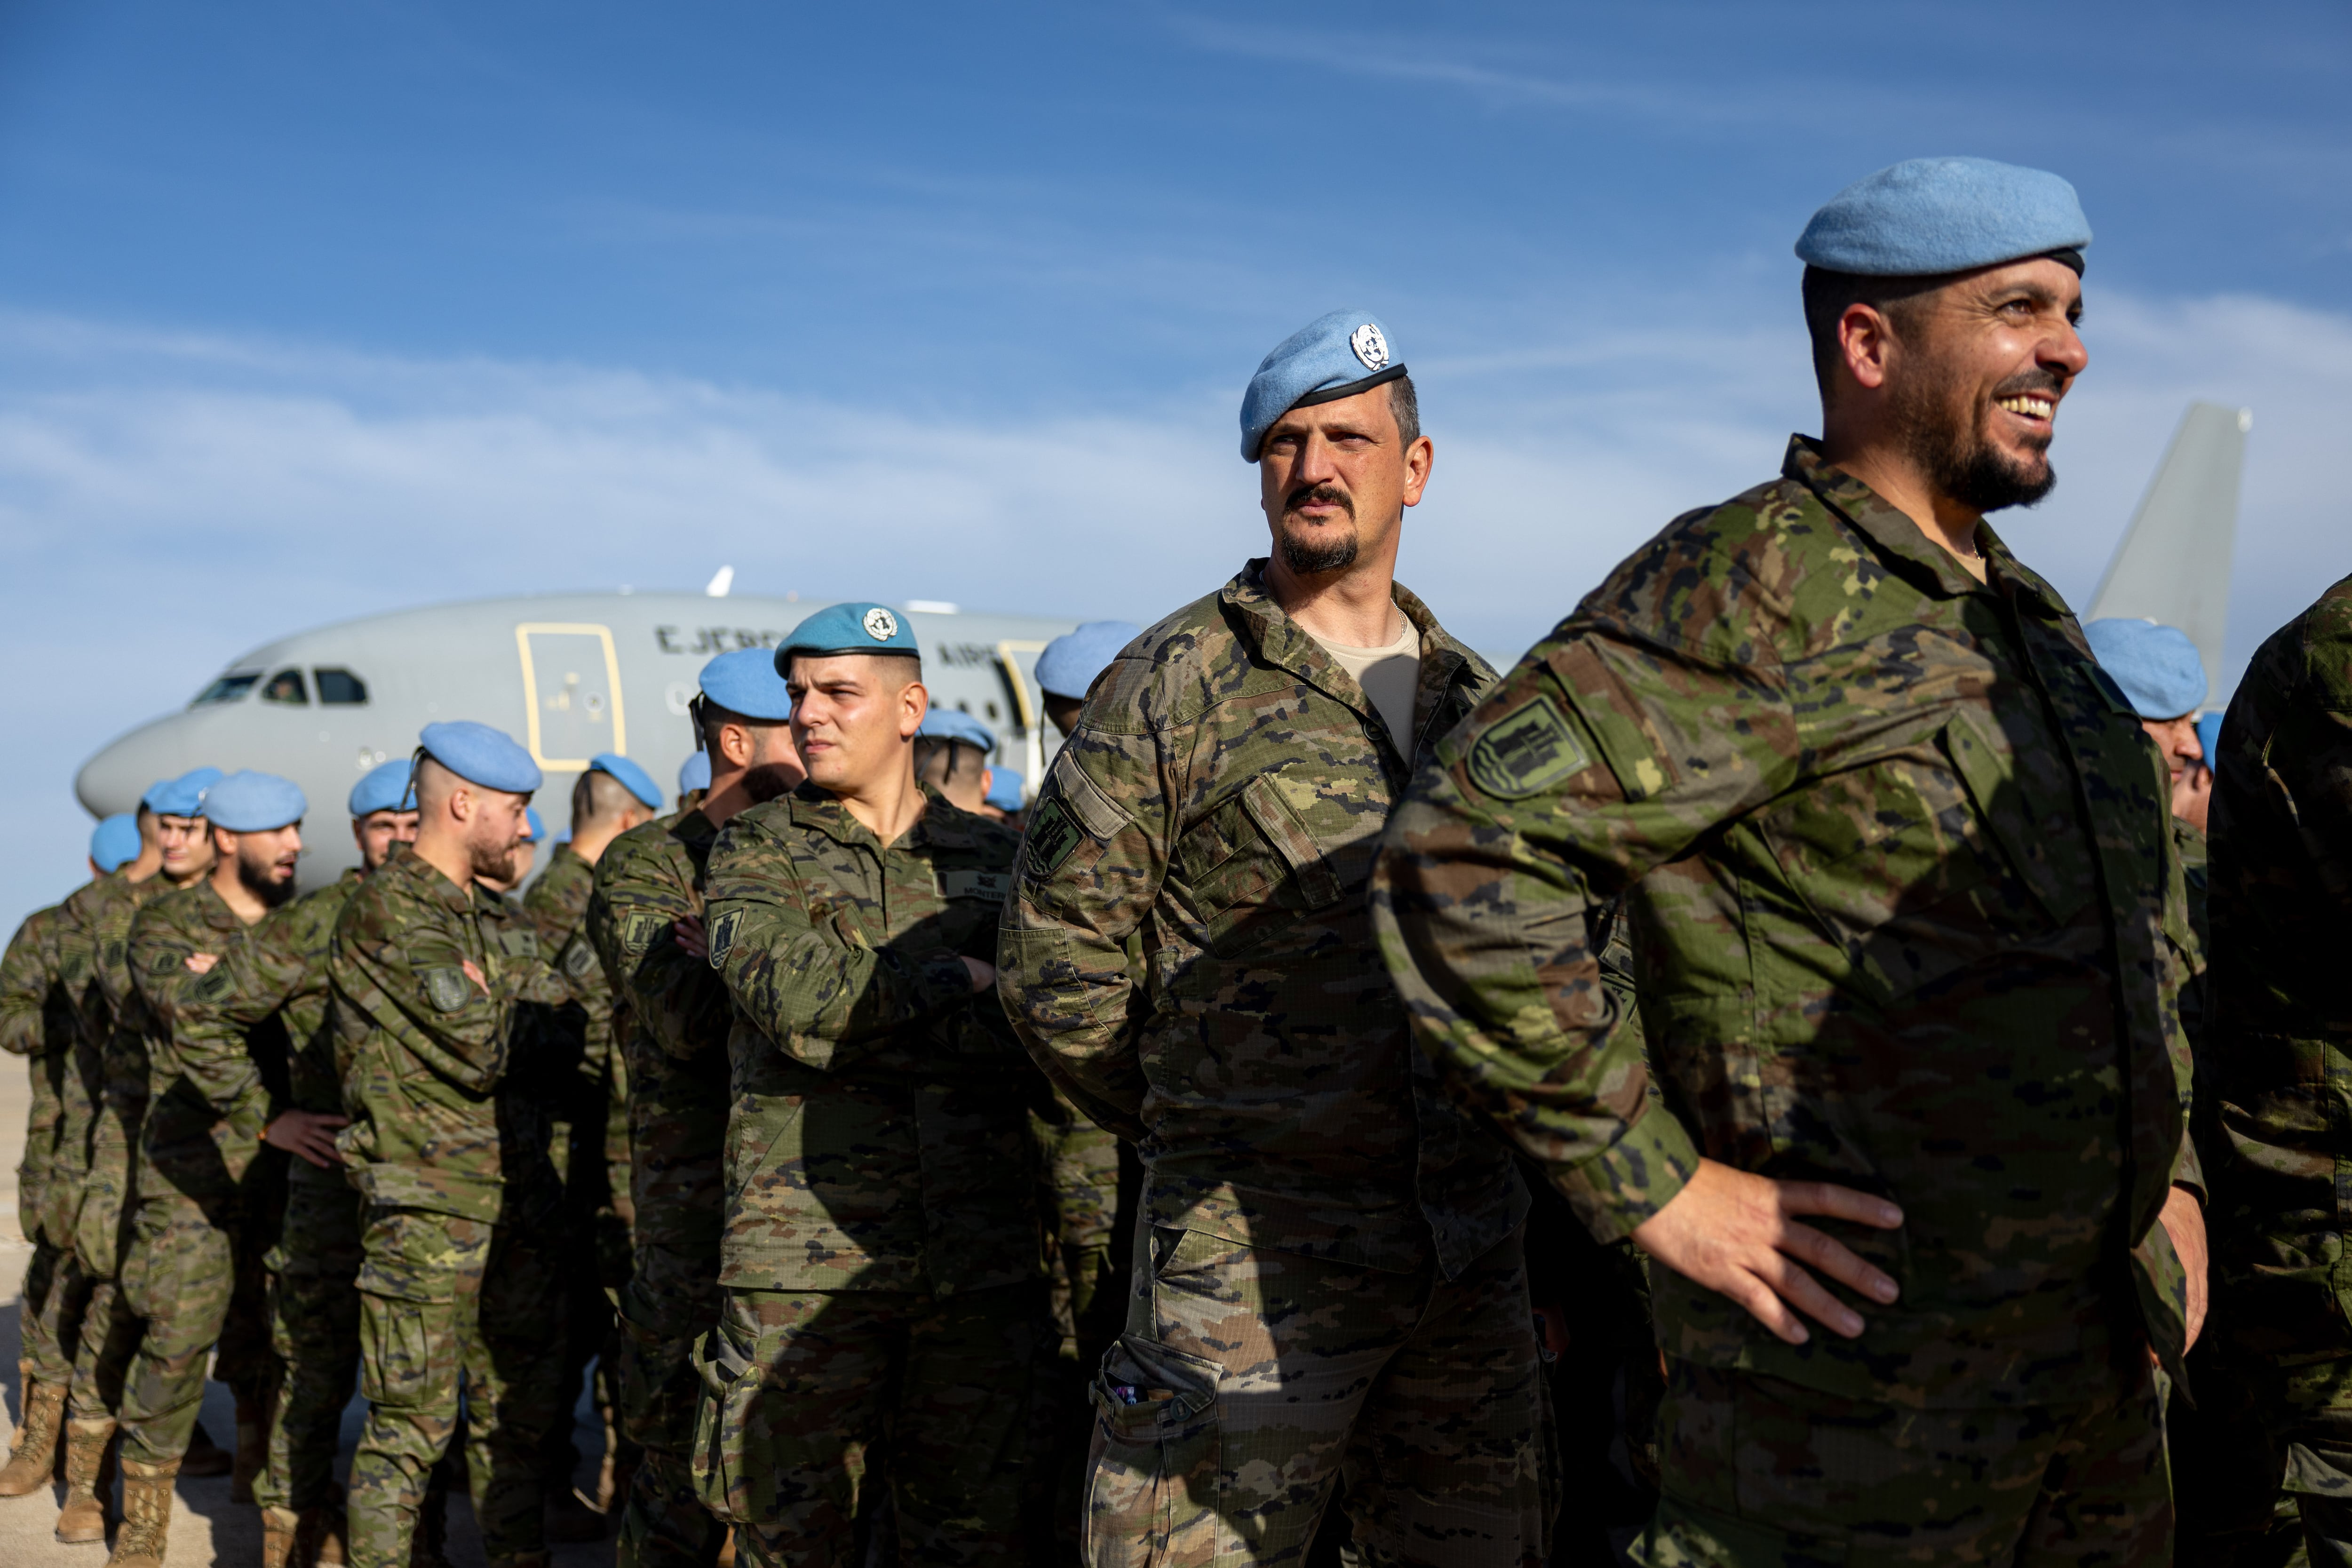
313,309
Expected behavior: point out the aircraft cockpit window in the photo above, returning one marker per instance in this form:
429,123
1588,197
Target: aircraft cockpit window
287,686
227,689
340,686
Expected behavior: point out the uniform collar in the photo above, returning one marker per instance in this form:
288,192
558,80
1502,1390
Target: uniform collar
431,883
1275,637
1895,532
820,811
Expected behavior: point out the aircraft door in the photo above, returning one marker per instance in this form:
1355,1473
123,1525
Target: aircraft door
572,680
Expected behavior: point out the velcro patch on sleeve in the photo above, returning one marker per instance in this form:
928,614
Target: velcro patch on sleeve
1053,836
445,987
578,959
1526,751
1094,810
722,936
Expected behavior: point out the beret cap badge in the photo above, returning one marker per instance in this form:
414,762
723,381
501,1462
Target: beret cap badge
881,624
1370,347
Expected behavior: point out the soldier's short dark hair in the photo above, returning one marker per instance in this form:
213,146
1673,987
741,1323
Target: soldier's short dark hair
599,797
1827,294
1405,403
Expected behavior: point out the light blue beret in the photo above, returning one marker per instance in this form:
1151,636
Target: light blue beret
1944,214
1071,661
640,781
2209,735
748,681
534,830
947,724
387,786
248,802
1330,358
480,754
182,796
849,628
114,842
2158,667
1004,789
694,773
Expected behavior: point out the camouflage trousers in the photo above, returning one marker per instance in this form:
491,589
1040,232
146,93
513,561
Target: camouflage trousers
2263,1464
810,1395
179,1277
671,1301
449,1304
1758,1471
314,1328
55,1293
1249,1381
110,1329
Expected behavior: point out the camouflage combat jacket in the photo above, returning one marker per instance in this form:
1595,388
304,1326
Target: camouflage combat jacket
677,1017
38,1022
82,1090
422,1048
2281,1051
1900,886
1223,793
879,1135
211,1087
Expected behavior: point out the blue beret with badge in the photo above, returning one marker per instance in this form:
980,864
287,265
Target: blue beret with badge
533,830
1330,358
848,629
2158,667
638,782
1004,789
949,724
694,773
1945,215
480,754
387,786
114,842
248,802
1071,661
749,682
182,796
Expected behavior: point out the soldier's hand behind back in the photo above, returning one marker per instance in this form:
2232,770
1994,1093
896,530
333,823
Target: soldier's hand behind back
306,1134
688,932
983,973
1738,1234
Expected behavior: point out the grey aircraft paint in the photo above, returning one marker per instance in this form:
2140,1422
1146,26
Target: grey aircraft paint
568,675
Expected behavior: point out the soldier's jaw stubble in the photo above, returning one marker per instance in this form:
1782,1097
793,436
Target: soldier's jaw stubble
1302,549
1944,431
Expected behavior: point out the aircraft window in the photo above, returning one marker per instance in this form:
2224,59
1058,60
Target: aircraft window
340,686
227,689
286,686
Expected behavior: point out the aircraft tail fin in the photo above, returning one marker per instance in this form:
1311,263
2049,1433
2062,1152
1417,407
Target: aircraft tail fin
2173,564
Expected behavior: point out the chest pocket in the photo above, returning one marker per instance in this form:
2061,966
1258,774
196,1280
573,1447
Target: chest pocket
1251,860
1899,867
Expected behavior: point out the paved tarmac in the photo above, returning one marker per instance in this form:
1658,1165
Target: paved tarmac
207,1528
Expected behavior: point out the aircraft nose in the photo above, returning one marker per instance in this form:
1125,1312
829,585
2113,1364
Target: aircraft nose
119,774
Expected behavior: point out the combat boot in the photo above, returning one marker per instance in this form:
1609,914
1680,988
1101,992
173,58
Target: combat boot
204,1457
36,1456
253,1418
326,1535
281,1529
146,1514
89,1480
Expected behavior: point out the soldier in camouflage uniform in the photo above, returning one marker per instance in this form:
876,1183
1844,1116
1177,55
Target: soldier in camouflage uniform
116,1026
673,1016
884,1314
213,1145
425,977
1333,1283
2282,848
586,1105
1896,864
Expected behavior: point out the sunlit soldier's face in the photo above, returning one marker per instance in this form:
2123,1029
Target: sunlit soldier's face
1334,479
266,861
378,831
186,845
854,717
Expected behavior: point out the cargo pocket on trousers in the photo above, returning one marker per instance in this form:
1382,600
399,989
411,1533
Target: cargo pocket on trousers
731,1380
401,1344
1153,1484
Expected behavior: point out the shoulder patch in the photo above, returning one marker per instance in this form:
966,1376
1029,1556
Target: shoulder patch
1525,751
971,884
1052,836
578,957
163,962
445,987
641,930
722,936
216,985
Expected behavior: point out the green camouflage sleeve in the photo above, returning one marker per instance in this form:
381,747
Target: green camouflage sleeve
1091,865
825,996
391,948
1600,756
159,954
678,998
254,979
25,972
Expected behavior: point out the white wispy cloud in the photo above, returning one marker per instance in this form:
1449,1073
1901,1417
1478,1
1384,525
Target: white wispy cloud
168,499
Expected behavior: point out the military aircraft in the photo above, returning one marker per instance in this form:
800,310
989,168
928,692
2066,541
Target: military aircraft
568,675
2173,565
